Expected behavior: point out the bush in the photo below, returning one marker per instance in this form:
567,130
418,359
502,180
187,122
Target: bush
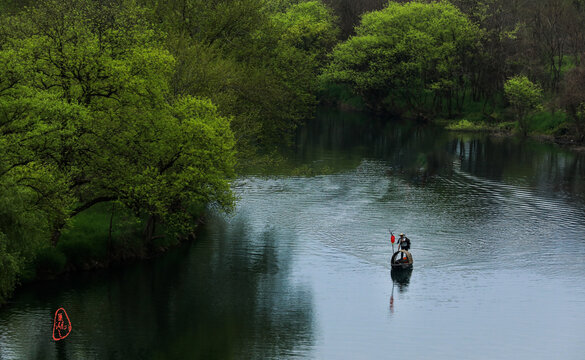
546,122
525,97
9,269
462,124
466,125
23,231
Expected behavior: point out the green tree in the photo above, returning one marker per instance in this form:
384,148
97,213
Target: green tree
496,58
310,27
409,55
9,268
257,60
87,99
298,42
525,97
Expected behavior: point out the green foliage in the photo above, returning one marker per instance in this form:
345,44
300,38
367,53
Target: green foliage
90,116
87,115
9,269
114,101
342,95
258,61
546,122
523,93
405,53
466,125
298,41
525,98
24,230
309,27
86,237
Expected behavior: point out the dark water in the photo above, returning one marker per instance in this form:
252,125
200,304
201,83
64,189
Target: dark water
300,270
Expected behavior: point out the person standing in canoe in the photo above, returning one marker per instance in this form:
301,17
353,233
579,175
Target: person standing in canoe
403,242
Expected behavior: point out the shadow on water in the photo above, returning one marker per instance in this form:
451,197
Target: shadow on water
198,301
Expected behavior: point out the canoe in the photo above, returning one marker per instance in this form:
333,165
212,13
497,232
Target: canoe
401,259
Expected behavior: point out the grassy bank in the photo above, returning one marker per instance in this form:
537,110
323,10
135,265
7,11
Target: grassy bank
544,125
103,235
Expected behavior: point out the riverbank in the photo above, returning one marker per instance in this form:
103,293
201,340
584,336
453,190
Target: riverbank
103,236
544,126
547,129
549,126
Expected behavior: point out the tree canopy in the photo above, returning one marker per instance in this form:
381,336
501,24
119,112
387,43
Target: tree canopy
87,115
525,97
405,53
143,103
257,60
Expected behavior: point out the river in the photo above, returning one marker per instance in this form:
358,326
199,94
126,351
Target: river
301,270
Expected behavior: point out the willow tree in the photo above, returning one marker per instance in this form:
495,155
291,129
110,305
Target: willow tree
406,57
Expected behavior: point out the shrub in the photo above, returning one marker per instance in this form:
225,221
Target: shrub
466,125
525,97
9,269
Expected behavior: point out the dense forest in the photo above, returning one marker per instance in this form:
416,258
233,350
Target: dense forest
123,120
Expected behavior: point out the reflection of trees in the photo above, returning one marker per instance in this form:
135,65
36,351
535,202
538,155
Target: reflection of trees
336,133
540,166
412,150
477,156
416,153
253,308
471,180
229,296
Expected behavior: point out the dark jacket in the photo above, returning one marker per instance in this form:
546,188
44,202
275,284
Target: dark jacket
404,243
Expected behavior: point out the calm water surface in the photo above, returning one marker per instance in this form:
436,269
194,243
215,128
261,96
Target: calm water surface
301,269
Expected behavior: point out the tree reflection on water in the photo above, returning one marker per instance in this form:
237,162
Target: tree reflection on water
198,301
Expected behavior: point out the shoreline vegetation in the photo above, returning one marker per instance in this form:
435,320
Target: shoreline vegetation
122,121
101,237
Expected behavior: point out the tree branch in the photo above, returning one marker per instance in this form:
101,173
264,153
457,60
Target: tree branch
91,203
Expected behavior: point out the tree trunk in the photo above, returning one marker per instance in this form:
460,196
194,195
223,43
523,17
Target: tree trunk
56,235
